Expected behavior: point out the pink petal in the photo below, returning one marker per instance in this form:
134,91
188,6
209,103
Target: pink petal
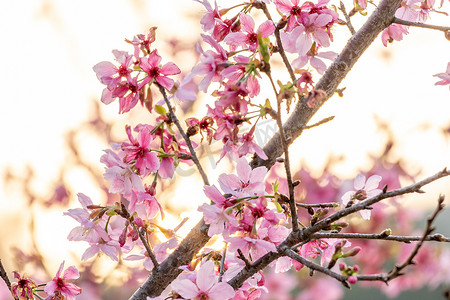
229,183
258,174
321,37
186,288
71,273
70,290
236,39
283,6
50,287
303,44
104,68
153,59
359,182
318,65
248,25
170,69
373,182
243,169
206,276
365,214
165,82
322,20
213,194
266,28
221,291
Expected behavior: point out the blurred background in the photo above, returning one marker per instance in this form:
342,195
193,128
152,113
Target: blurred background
53,127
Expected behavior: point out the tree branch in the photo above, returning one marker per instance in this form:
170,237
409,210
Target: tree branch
421,25
375,236
397,270
306,234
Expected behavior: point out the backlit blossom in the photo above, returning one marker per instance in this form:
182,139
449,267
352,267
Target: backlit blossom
445,77
62,284
363,190
138,150
150,65
204,286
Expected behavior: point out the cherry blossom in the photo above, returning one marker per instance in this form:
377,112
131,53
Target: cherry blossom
139,151
445,77
150,65
249,37
61,285
23,288
248,181
363,190
204,286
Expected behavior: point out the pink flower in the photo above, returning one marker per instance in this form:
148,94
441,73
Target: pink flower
248,182
23,288
211,64
139,151
111,75
123,179
254,246
313,57
249,36
205,285
444,76
150,65
61,285
393,32
363,190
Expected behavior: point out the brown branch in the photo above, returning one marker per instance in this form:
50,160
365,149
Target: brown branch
420,25
368,236
358,43
347,18
4,276
306,234
316,267
397,270
147,247
287,164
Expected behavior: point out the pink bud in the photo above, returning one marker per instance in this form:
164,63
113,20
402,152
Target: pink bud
342,266
352,279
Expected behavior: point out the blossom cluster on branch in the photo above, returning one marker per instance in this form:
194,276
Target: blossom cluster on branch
262,215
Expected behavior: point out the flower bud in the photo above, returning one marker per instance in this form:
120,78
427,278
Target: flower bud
352,279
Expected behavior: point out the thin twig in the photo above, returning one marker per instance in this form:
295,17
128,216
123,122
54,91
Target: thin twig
280,25
347,18
4,276
323,121
375,236
186,138
316,267
147,248
320,205
414,188
222,262
421,25
244,259
287,165
397,270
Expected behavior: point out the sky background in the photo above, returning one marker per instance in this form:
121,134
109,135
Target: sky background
49,48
